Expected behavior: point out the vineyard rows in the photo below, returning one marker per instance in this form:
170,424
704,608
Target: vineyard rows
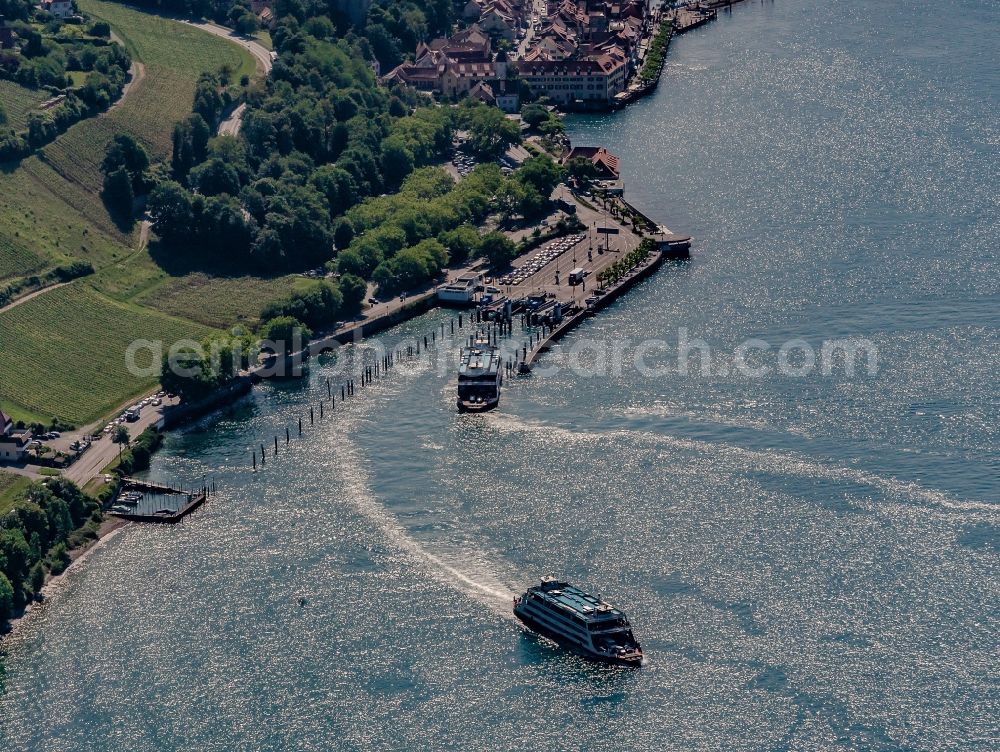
64,352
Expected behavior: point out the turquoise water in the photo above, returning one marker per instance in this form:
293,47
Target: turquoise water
810,562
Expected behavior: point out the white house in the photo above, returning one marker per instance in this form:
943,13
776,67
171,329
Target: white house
58,8
462,291
13,441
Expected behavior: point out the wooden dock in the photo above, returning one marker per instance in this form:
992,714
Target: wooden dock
689,19
166,515
194,500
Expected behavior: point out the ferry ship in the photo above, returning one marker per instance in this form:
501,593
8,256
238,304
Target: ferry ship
479,378
580,621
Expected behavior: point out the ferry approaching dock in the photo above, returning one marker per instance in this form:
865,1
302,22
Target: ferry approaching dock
582,622
479,378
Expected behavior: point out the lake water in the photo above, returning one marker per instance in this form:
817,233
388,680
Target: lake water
811,562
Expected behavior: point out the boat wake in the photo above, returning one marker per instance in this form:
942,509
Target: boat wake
468,572
738,459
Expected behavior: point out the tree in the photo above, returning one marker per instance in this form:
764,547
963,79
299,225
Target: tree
397,161
125,151
207,99
3,115
582,169
171,209
36,577
246,24
124,167
498,249
490,131
121,438
117,192
6,597
14,558
461,242
215,177
194,373
541,173
284,335
337,185
317,306
534,115
353,289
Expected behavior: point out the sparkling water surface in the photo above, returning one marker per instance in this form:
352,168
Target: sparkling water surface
811,563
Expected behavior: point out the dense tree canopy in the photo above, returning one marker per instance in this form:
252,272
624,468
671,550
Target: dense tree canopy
33,536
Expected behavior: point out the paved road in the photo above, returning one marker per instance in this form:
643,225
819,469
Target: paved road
255,48
231,125
537,13
104,450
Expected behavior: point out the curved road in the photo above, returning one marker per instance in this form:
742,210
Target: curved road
231,125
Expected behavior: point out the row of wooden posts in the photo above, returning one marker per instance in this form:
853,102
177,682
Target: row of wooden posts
502,328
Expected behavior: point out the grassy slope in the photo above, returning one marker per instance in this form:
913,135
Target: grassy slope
11,486
64,352
217,302
17,102
50,212
62,184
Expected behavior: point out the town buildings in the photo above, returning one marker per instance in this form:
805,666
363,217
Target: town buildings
458,66
606,165
578,53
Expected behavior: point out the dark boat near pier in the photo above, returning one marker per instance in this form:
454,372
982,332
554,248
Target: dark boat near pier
479,378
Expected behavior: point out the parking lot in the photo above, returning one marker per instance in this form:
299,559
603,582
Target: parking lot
525,269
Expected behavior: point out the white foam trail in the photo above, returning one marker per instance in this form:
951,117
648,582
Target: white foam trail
497,594
486,587
748,459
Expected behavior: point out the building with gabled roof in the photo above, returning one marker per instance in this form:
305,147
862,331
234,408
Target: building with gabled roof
606,164
13,441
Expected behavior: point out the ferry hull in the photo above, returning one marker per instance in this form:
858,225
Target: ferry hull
633,661
477,407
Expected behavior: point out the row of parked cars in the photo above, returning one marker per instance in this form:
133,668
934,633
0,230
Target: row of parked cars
465,163
539,260
131,415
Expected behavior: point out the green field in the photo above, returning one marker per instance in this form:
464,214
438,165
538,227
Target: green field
174,55
64,353
218,301
38,230
50,207
11,486
16,260
18,101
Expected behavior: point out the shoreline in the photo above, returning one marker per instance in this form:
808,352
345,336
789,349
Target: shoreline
109,528
353,332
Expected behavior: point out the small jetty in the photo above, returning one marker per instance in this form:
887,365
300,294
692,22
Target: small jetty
692,16
144,501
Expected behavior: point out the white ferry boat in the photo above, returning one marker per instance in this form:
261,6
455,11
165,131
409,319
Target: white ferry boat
580,621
